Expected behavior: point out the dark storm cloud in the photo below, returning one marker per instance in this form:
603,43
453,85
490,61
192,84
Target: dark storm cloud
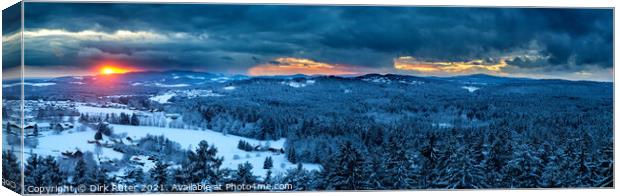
460,34
225,37
11,47
11,19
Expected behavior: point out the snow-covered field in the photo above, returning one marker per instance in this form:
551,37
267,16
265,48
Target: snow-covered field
384,80
53,144
226,146
171,85
471,89
50,143
30,84
78,83
163,98
220,79
85,109
377,80
299,84
195,77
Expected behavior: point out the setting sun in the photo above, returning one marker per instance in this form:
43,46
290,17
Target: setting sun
107,70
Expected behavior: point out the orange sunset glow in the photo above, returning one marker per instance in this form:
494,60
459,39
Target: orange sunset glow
289,66
447,67
110,69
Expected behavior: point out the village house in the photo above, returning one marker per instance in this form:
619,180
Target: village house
172,116
62,126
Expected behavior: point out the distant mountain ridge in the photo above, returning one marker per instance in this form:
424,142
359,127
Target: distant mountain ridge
158,82
180,76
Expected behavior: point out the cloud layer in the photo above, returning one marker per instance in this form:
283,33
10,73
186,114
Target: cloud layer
251,38
11,45
438,67
291,66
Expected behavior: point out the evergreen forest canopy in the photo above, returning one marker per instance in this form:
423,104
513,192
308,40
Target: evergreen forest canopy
372,132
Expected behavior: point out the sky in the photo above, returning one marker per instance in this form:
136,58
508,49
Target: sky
11,51
78,39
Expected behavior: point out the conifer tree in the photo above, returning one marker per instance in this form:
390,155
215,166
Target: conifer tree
80,176
135,121
463,171
8,128
11,171
244,174
98,135
376,171
100,178
33,170
160,175
345,170
52,176
268,164
398,166
203,165
136,175
298,178
35,130
267,179
291,154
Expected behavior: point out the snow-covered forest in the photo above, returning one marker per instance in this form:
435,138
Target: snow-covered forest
161,131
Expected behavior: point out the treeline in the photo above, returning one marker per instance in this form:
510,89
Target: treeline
55,111
122,118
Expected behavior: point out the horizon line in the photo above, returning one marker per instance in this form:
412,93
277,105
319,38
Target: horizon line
321,75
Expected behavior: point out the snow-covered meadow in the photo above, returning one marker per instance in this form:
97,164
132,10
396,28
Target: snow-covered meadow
53,143
225,144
